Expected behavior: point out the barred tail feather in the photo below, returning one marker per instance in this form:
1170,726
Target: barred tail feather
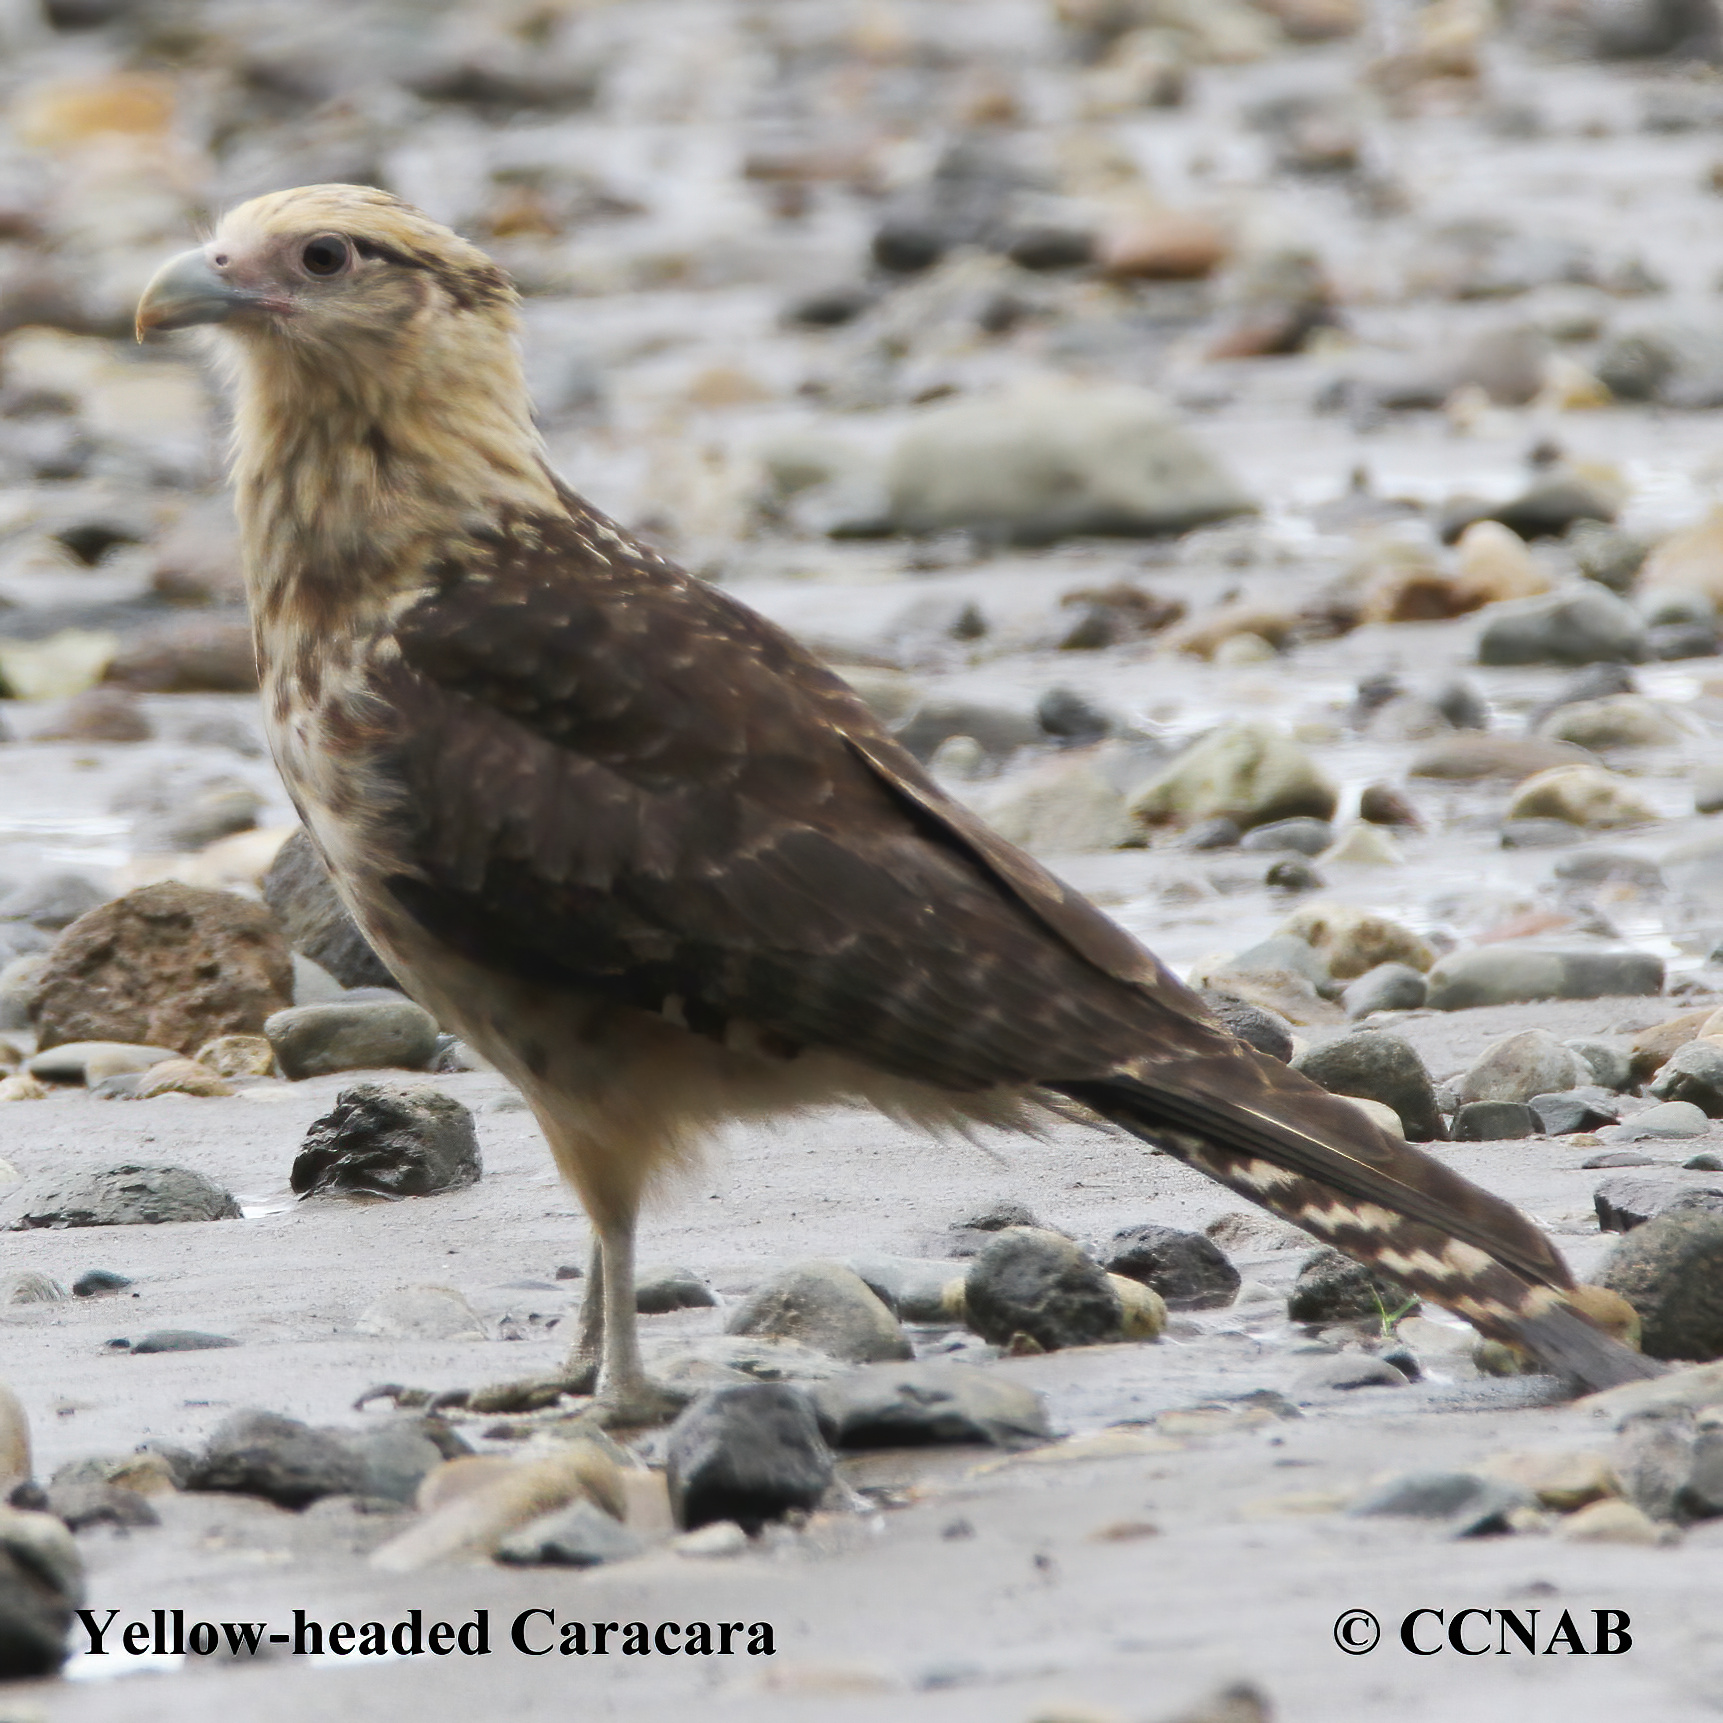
1310,1157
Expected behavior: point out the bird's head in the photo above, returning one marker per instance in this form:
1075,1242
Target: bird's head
329,270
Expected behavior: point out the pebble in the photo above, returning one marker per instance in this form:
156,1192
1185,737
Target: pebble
1467,758
421,1313
1671,1271
1465,1504
315,1040
181,1077
99,1283
1495,1122
1621,721
1377,1066
1611,1065
1351,941
41,1583
128,1195
1503,975
1306,836
1566,1112
51,901
1383,805
1387,987
658,1290
82,1497
1189,1271
1142,1310
930,1401
99,715
1624,1203
747,1454
303,899
167,965
1331,1288
1666,1119
91,1061
826,1306
1580,625
1652,1459
1062,807
1583,796
399,1457
1610,1522
179,1340
911,1288
578,1535
1694,1073
1560,1480
1346,1371
238,1056
1247,771
31,1286
1039,1284
389,1140
190,655
1265,1030
1520,1066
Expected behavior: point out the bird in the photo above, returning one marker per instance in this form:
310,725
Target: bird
654,860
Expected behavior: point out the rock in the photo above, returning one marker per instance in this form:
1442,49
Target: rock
256,1453
1039,1284
390,1141
1597,867
58,668
1162,245
1520,1066
826,1306
90,1061
180,1077
657,1290
1611,1066
199,817
1305,836
1694,1073
41,1583
1256,1230
1584,796
421,1313
999,731
750,1453
908,1405
1667,1119
913,1289
1690,560
1671,1271
1384,1118
1331,1287
1583,625
1503,975
1363,846
1265,1030
1609,1522
1351,941
1377,1066
1053,459
1702,1492
1651,1459
52,901
1293,874
99,1283
119,1196
1630,1200
1387,987
578,1535
1621,721
99,715
1562,1480
23,1088
314,919
180,1340
1383,805
1463,1503
1142,1310
1467,758
1569,1110
169,965
238,1056
80,1496
1188,1270
1346,1371
974,1232
1495,1122
400,1456
1248,771
1063,807
366,1035
190,655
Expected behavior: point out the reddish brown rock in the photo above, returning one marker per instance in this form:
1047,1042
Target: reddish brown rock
1167,245
168,965
193,655
99,715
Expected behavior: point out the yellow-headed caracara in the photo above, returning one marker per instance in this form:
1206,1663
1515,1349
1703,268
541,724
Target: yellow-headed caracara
647,855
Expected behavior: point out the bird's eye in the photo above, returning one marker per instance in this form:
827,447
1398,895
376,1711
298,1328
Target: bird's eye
326,255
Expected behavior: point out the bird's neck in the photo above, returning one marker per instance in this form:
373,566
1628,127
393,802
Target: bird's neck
346,475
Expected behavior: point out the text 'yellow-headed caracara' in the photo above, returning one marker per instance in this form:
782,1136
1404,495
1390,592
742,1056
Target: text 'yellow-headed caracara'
648,856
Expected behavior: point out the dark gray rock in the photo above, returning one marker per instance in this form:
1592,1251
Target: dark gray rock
659,1290
196,819
973,1233
1387,987
909,1405
1293,873
826,1306
1580,625
749,1453
256,1453
1495,1122
1028,1281
1377,1066
1306,836
41,1583
1671,1271
1464,1504
1569,1110
382,1140
1267,1031
1617,1158
579,1535
83,1495
1188,1270
298,889
1633,1199
911,1288
179,1340
52,901
363,1035
1611,1065
120,1196
1220,833
1071,718
1501,975
396,1458
1607,554
1694,1073
1702,1493
1331,1287
99,1283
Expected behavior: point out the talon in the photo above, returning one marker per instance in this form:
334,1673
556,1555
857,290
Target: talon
409,1398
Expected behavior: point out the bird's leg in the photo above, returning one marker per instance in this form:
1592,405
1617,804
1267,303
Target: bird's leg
626,1394
587,1353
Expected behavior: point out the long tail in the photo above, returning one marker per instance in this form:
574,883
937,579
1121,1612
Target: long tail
1279,1140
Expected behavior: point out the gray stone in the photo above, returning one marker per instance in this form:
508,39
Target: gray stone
99,1283
1580,625
579,1535
256,1453
911,1288
1501,975
83,1495
298,889
1377,1066
53,901
1627,1202
974,1232
1611,1065
1677,1119
1000,730
1387,987
1532,1062
1267,1031
314,1040
389,1140
826,1306
1246,770
1464,1504
128,1195
1495,1122
41,1583
1599,867
395,1459
1188,1270
1652,1458
179,1340
1036,1283
1702,1493
91,1061
749,1453
31,1286
1307,836
1694,1073
213,810
1569,1110
657,1290
1293,874
1538,834
1331,1287
909,1405
1671,1271
1346,1371
21,990
1282,951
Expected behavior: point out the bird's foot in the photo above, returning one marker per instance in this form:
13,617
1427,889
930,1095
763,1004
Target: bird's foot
532,1393
637,1403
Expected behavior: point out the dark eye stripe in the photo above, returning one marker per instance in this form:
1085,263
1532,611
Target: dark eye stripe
388,254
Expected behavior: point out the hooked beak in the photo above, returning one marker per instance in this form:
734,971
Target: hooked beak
190,289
